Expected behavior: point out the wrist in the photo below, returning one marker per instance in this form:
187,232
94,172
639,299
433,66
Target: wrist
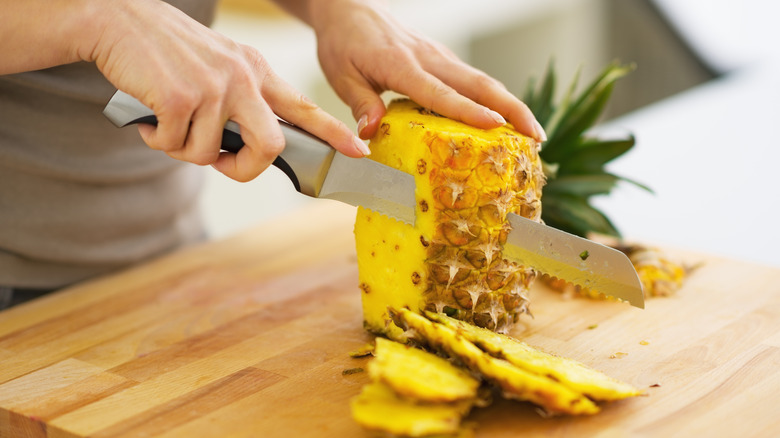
88,25
323,14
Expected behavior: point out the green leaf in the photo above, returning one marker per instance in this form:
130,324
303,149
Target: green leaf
638,184
541,102
582,185
574,215
561,110
571,121
591,155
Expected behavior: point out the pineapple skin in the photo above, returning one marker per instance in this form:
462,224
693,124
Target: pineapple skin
467,180
575,375
379,408
515,382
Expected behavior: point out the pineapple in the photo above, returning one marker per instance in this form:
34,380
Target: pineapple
450,261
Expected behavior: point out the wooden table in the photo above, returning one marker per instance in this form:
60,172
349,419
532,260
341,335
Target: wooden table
249,337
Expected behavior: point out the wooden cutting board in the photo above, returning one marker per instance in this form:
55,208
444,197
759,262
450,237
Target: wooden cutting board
249,337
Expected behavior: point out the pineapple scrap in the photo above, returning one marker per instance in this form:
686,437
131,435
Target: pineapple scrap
416,393
425,394
594,384
365,350
379,408
515,382
660,276
419,375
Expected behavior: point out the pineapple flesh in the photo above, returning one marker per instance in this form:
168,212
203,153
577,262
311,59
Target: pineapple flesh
467,180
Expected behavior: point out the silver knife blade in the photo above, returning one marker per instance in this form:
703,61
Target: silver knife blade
367,183
580,261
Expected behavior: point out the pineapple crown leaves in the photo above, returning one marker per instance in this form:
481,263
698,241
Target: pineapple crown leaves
573,161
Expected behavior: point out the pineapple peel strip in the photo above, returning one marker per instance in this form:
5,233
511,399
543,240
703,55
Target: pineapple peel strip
419,375
515,382
371,409
575,375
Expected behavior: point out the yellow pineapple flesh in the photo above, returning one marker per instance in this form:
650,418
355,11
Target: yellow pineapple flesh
467,180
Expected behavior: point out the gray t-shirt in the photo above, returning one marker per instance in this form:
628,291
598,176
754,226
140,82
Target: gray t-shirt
78,196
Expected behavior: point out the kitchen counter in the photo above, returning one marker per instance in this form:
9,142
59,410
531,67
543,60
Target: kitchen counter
248,337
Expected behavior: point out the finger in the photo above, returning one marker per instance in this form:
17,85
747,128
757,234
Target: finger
263,141
173,124
491,93
429,91
294,107
205,136
366,104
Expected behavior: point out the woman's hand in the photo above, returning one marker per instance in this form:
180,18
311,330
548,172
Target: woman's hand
195,80
364,51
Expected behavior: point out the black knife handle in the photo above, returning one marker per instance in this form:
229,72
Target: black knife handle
305,159
231,142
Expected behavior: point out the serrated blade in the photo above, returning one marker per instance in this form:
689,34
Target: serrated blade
367,183
583,262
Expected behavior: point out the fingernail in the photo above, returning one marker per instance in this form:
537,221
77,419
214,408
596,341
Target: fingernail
497,117
362,123
361,146
540,134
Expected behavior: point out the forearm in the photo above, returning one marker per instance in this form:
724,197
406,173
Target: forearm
317,13
36,34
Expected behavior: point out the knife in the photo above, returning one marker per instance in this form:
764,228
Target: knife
319,171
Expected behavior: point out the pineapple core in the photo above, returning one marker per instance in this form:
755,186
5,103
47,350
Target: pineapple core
467,180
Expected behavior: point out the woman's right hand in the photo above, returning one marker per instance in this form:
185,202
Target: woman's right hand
196,79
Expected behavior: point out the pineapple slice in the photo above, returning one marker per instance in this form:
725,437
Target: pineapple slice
377,407
419,375
515,382
573,374
467,181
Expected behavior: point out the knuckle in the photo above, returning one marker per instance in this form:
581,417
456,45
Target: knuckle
178,103
303,102
483,81
273,147
202,158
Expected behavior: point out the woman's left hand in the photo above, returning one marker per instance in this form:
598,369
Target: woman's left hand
364,51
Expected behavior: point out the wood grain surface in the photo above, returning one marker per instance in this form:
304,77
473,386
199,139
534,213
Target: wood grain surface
248,337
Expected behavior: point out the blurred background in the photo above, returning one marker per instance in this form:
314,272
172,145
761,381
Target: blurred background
702,104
